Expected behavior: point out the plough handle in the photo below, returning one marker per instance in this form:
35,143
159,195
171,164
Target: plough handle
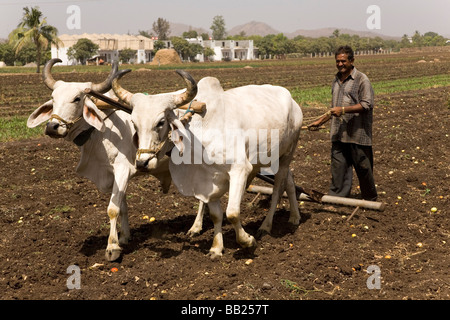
314,195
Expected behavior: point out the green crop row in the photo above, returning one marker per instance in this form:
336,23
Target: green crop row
14,127
322,95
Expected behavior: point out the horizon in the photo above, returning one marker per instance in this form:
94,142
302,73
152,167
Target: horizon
391,19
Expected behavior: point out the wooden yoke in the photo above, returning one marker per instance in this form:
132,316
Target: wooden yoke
194,107
104,102
197,106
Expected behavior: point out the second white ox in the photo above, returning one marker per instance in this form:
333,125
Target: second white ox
212,156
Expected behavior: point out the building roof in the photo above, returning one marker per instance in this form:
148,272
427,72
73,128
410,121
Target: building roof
107,41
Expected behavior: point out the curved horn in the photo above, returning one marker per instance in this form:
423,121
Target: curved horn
191,90
106,85
47,75
120,92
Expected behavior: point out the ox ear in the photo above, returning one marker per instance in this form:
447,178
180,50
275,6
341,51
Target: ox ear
92,116
180,136
40,115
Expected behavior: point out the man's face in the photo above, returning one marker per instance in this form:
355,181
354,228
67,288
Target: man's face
343,64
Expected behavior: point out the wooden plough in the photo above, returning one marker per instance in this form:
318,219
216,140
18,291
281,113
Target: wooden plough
315,196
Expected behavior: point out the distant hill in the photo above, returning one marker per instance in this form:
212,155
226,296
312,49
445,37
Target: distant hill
253,28
326,32
177,29
263,29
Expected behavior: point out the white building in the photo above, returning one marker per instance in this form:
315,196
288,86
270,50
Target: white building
227,49
109,46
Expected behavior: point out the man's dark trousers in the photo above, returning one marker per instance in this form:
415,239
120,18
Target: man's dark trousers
345,157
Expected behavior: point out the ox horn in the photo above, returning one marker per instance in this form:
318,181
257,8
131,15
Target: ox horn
120,92
191,90
47,74
106,85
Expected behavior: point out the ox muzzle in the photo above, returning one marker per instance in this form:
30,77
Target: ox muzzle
146,161
57,127
54,129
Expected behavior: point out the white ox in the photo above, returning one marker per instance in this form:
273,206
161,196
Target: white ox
107,153
212,156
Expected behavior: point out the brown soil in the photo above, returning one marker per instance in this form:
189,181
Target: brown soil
51,219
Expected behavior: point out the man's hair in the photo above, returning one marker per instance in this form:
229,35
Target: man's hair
345,50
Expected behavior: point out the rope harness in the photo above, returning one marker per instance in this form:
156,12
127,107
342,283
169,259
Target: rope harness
68,124
168,139
154,151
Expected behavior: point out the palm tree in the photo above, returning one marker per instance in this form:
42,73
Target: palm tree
33,29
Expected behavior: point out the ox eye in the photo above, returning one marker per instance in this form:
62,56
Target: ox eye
161,123
77,99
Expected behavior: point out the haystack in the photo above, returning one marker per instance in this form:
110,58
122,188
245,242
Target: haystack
166,56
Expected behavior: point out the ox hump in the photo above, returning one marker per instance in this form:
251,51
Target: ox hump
210,84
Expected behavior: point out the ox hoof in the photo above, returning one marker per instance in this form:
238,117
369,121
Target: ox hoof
261,233
113,254
251,245
124,240
295,221
214,256
193,233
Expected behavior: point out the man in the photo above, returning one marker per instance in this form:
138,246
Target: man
351,116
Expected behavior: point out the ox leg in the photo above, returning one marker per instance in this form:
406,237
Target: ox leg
113,249
198,223
236,191
279,186
294,216
116,204
124,225
216,214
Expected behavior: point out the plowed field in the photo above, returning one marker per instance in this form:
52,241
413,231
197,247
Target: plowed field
50,218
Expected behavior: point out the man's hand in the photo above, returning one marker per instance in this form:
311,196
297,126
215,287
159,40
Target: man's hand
337,111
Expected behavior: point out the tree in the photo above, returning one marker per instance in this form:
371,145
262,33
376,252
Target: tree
218,28
157,45
336,33
417,39
433,39
185,49
7,53
161,28
34,29
204,36
208,53
145,33
190,34
82,50
127,54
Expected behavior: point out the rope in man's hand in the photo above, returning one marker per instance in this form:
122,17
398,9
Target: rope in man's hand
315,125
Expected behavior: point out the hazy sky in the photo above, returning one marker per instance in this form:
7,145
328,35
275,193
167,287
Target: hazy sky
397,17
